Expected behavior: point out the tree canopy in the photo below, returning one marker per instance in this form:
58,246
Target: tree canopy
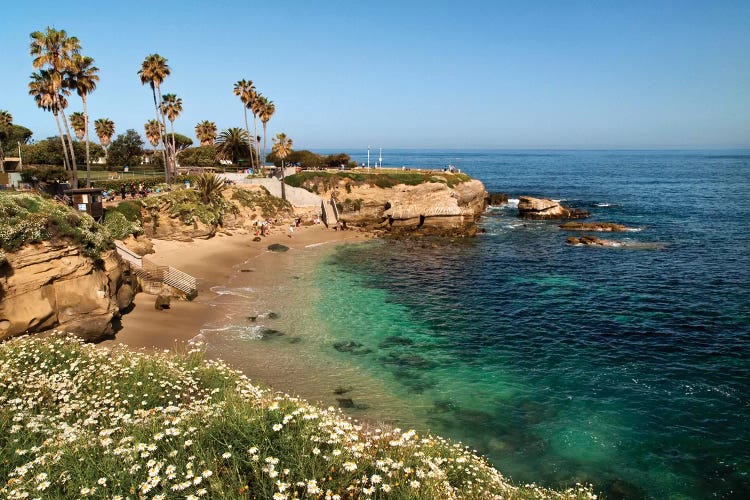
126,149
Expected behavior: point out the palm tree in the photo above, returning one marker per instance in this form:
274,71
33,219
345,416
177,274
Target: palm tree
205,131
267,109
105,129
78,122
255,105
55,49
154,132
171,106
282,146
48,98
233,144
154,71
83,78
246,92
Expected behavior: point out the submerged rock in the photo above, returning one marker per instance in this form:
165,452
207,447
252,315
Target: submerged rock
395,341
351,347
594,226
277,247
270,333
341,390
345,402
544,208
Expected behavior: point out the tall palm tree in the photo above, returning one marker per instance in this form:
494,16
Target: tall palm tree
154,71
205,131
83,77
267,109
171,107
282,147
233,144
255,105
105,129
49,98
78,122
54,48
245,90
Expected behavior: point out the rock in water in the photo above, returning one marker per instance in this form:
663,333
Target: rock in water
594,226
496,199
277,247
544,208
592,241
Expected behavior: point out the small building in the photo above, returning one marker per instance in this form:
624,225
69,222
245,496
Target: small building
87,200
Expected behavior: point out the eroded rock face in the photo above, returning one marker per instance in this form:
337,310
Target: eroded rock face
544,208
592,241
430,208
50,285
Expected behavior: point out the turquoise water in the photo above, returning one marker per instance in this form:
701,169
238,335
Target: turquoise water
626,368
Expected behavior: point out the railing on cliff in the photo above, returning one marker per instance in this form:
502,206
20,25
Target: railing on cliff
149,271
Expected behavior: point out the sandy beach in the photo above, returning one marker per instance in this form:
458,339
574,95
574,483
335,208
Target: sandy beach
213,262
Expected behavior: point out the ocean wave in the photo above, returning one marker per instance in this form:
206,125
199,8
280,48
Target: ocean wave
243,332
244,291
513,202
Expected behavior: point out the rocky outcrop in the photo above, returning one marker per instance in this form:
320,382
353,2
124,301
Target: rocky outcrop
430,208
544,208
592,241
497,199
52,284
594,226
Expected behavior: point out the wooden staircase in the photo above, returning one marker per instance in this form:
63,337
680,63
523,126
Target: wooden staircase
156,274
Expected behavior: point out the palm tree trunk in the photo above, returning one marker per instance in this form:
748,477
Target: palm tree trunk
164,150
174,147
72,153
66,164
247,129
170,154
255,138
264,143
283,191
88,159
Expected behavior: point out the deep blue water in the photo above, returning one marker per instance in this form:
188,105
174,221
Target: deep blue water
627,368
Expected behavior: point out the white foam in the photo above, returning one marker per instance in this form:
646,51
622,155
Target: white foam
315,244
513,202
244,291
602,205
244,332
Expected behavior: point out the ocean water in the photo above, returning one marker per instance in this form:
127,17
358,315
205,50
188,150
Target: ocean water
627,368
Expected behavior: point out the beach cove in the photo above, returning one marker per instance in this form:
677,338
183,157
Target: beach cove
550,359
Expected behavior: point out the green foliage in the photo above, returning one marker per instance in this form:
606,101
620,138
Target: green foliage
124,219
77,420
29,218
126,149
147,181
44,174
181,141
119,226
310,160
50,152
349,205
210,187
202,156
12,136
269,205
313,181
186,205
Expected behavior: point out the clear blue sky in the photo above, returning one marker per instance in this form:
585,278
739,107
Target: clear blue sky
345,74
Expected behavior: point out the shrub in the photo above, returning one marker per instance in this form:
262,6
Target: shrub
269,205
119,226
28,218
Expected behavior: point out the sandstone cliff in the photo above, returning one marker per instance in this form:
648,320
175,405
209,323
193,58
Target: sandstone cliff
430,208
52,284
544,208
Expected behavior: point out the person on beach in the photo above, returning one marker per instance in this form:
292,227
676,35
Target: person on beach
123,191
291,230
